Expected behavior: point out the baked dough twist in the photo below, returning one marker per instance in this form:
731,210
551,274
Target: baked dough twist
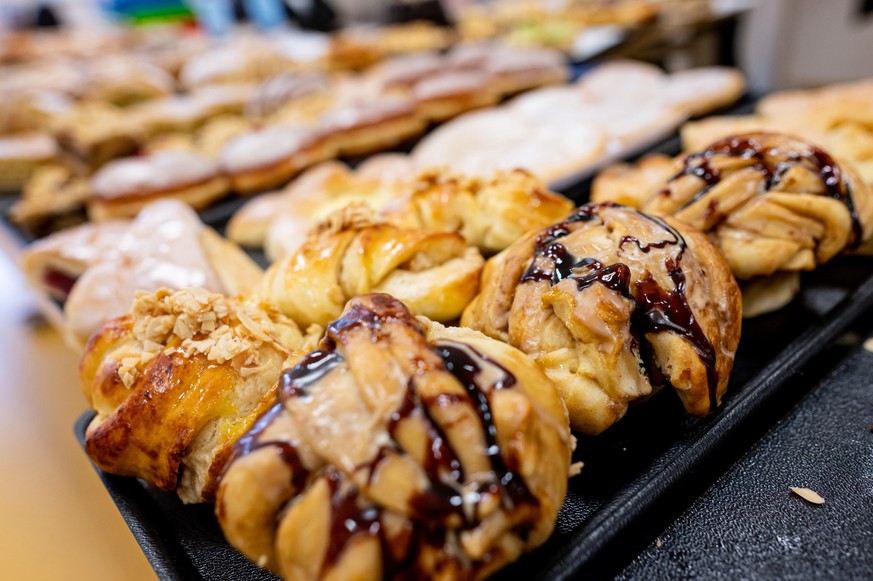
400,449
177,381
354,252
770,202
773,204
612,303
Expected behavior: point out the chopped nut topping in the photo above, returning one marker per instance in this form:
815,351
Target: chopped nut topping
199,322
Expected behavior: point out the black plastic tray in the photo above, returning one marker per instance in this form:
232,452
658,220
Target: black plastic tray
637,475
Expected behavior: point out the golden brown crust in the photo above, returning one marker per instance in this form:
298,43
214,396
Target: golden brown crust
355,252
177,381
452,453
490,213
198,196
609,301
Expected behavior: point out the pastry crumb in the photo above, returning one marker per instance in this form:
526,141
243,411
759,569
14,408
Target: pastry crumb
807,495
575,468
659,543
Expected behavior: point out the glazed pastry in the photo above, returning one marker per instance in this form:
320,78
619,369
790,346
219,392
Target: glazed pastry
178,113
263,159
166,246
400,449
177,380
514,70
318,192
209,139
53,264
353,252
277,92
54,196
770,202
98,132
21,155
241,63
490,213
123,187
369,126
632,184
123,81
26,111
612,304
406,71
449,94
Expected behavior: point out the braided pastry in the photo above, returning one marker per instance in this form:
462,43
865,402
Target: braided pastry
435,273
177,381
490,213
770,202
400,449
612,303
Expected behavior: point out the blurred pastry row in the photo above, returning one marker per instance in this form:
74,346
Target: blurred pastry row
249,137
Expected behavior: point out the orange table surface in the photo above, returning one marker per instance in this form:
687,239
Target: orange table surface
57,521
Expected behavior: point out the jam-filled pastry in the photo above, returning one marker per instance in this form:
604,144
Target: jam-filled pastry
613,303
399,449
354,252
770,202
177,380
166,246
491,213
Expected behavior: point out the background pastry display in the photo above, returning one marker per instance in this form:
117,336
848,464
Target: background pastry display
95,270
558,132
612,304
774,205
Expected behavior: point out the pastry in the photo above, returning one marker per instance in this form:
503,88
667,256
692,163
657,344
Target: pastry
55,194
98,133
489,213
309,199
53,264
406,71
21,154
166,246
123,81
176,381
612,304
277,92
263,159
515,70
25,111
412,37
770,202
123,187
208,139
244,62
400,449
177,113
449,94
353,252
631,184
363,127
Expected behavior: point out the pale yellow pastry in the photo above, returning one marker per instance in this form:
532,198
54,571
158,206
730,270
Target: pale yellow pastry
612,304
21,154
354,252
399,449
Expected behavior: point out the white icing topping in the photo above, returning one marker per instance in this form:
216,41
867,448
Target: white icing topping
160,249
264,147
356,115
152,173
450,83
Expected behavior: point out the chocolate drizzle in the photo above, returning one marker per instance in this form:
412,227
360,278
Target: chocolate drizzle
655,309
296,381
252,441
749,147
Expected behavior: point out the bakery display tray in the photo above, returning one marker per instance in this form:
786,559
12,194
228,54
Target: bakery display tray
638,476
